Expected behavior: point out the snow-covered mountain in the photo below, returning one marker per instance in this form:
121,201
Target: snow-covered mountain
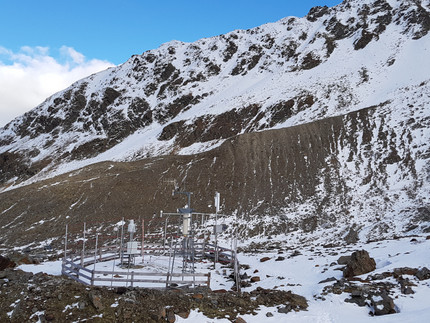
188,97
318,123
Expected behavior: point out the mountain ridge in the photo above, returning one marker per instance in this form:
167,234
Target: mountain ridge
190,97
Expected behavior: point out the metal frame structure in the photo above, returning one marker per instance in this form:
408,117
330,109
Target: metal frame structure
75,264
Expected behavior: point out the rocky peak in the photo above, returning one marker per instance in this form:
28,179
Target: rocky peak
183,97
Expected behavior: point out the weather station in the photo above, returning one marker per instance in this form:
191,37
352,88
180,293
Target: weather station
176,253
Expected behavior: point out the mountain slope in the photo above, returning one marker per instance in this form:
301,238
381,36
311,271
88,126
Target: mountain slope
184,98
345,178
311,128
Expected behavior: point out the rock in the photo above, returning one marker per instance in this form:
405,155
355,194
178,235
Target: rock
357,297
405,271
296,253
382,304
243,283
6,263
269,314
81,305
359,264
255,279
184,313
352,236
407,290
120,290
264,259
49,317
359,300
162,313
280,258
96,300
330,279
198,296
170,316
21,259
423,273
343,260
239,320
285,309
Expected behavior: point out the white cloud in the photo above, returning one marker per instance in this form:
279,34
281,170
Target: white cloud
29,76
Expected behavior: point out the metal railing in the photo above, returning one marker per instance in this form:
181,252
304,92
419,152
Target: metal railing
74,270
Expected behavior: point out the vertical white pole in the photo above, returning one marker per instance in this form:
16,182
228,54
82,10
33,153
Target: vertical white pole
165,236
65,243
216,240
236,267
83,244
95,250
143,239
121,245
217,198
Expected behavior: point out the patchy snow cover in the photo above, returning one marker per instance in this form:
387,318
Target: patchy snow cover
302,275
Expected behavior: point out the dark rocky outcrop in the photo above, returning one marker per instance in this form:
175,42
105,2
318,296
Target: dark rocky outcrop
423,273
382,304
5,263
359,264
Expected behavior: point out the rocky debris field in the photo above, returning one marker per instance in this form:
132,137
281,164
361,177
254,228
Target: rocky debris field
388,278
376,291
27,297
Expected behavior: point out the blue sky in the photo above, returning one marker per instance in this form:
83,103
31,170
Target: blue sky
46,45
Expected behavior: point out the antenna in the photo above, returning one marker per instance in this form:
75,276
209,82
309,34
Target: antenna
172,181
217,201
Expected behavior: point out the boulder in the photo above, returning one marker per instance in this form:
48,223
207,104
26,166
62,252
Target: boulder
6,263
382,304
359,264
423,273
343,260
